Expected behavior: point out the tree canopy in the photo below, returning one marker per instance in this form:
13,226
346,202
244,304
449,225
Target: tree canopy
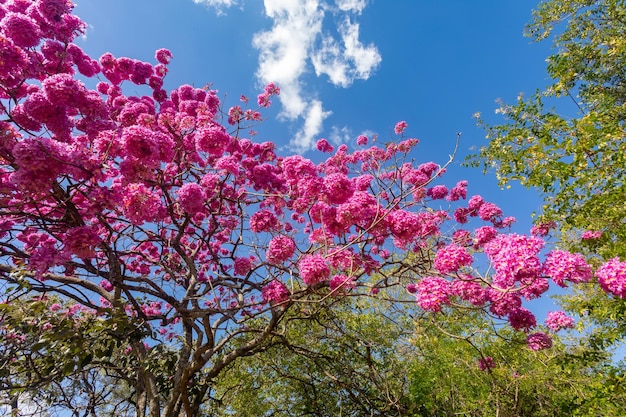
154,254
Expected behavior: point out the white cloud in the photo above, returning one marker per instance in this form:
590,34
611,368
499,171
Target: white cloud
307,136
356,6
339,135
343,63
296,43
219,5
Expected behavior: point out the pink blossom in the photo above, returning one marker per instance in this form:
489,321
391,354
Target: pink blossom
263,221
502,303
432,293
411,288
489,211
243,265
563,266
275,292
437,192
461,237
514,257
612,277
538,341
323,146
400,127
451,258
81,241
22,30
106,285
459,191
313,269
53,10
191,197
522,319
341,283
280,249
484,235
542,229
141,204
471,291
591,234
55,307
558,320
338,188
212,140
474,203
163,56
486,363
361,140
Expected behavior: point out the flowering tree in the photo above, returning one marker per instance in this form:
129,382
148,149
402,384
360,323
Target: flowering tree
145,237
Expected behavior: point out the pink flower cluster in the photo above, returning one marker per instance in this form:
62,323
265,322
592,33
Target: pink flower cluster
313,269
612,277
486,363
433,293
558,320
280,249
275,292
538,341
451,258
514,257
263,221
191,197
591,234
564,266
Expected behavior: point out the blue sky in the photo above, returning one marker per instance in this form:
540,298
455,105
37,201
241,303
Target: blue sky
345,67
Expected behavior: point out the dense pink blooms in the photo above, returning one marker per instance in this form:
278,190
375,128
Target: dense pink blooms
338,188
275,292
437,192
341,283
81,241
563,266
191,197
484,235
502,303
243,265
163,56
542,229
361,140
323,146
400,127
280,249
612,277
313,269
451,258
486,363
558,320
140,204
522,319
539,341
471,291
433,293
591,234
106,285
263,221
21,29
489,211
514,257
458,192
213,140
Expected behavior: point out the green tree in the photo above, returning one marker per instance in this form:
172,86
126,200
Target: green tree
568,140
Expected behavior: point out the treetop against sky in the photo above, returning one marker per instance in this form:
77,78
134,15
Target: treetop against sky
156,209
